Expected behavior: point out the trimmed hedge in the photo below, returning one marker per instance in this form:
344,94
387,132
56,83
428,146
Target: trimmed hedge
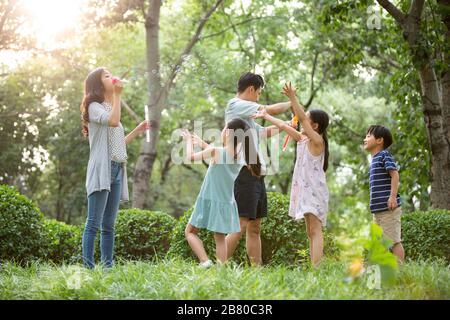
26,236
283,240
139,235
426,234
21,227
62,242
142,234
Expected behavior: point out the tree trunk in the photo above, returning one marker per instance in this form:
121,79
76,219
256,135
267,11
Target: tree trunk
445,87
434,102
439,144
59,200
433,110
446,95
445,19
164,173
156,99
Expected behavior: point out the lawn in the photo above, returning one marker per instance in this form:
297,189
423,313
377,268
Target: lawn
179,279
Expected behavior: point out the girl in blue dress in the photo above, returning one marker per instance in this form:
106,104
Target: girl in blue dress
215,208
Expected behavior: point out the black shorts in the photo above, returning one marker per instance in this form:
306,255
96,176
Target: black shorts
250,194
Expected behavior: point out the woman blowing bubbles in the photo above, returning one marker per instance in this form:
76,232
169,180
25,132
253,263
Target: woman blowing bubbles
106,178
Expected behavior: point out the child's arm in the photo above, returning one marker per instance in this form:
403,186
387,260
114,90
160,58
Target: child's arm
198,141
281,125
273,130
207,153
315,137
144,125
395,180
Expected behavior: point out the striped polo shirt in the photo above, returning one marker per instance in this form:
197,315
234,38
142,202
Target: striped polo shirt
380,181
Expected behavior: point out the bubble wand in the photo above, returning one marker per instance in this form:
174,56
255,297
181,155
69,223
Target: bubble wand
147,131
286,140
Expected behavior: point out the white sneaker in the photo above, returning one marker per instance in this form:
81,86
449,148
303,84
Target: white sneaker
206,264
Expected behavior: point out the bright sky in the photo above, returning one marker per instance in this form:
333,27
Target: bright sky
50,18
48,21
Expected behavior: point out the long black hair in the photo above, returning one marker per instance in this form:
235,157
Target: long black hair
94,91
249,145
321,118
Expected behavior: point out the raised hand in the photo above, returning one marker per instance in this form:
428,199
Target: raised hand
196,139
289,90
260,114
291,124
144,125
192,137
118,86
186,134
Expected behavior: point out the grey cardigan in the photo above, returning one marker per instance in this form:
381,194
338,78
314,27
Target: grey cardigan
98,176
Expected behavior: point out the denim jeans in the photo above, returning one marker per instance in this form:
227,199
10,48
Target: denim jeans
102,211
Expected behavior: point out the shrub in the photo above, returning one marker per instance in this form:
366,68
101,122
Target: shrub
20,227
283,240
142,234
62,242
426,234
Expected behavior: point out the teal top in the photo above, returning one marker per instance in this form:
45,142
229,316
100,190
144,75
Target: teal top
215,208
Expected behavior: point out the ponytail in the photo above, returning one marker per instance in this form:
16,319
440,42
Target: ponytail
321,118
327,153
249,145
249,149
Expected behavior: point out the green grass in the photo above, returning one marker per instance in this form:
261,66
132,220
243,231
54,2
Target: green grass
178,279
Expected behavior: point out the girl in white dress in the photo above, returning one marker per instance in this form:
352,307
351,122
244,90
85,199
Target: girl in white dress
309,192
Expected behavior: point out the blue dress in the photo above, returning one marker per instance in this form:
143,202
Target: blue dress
215,208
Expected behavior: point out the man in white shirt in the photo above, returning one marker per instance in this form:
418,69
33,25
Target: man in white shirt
250,190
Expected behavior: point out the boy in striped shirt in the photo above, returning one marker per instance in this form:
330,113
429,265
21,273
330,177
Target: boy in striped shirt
384,181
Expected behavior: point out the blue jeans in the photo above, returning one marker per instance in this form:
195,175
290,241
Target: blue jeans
102,211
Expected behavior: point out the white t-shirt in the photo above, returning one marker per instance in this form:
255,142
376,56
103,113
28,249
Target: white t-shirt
243,109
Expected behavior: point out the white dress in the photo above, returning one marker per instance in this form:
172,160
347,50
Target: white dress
309,191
